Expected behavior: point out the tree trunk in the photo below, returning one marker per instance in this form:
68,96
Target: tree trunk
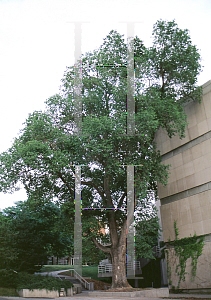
118,241
118,259
119,278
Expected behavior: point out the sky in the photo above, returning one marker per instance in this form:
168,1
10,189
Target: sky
37,44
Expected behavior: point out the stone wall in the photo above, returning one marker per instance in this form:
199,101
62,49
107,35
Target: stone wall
187,196
203,272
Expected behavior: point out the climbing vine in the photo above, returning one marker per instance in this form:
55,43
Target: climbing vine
188,247
168,268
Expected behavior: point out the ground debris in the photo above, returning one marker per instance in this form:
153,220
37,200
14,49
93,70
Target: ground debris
99,285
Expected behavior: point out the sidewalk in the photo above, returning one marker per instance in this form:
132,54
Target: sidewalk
86,296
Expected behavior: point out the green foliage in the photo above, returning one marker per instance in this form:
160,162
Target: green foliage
11,279
172,57
147,230
188,247
90,271
168,268
8,278
7,235
42,157
8,292
90,253
33,233
31,282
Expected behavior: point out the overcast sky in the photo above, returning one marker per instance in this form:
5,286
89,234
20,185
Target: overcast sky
37,43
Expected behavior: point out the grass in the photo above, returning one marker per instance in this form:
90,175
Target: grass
51,268
90,271
87,271
8,292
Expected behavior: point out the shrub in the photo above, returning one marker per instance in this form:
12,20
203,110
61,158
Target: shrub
8,278
23,280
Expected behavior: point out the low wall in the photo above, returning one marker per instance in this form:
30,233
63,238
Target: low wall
26,293
151,293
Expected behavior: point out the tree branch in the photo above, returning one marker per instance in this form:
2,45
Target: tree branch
94,186
121,200
101,247
65,182
107,191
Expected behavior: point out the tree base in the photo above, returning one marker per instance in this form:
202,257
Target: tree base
120,286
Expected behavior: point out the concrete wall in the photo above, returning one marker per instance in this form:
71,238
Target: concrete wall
26,293
187,196
203,272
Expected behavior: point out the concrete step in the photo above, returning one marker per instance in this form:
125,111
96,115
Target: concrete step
151,293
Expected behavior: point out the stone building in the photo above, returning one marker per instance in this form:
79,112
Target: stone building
187,196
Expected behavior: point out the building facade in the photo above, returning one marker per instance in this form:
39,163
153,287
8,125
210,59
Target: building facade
187,196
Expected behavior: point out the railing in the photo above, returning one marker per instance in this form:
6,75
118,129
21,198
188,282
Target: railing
105,268
137,265
83,281
108,267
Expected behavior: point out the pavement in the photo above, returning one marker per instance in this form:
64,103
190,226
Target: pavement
86,296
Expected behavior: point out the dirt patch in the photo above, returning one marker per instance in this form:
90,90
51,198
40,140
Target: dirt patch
99,285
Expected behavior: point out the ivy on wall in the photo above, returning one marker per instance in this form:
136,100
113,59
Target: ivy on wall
188,247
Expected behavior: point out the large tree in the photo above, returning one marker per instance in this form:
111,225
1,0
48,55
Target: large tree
44,155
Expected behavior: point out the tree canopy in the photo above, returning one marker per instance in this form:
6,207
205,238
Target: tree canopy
47,150
30,233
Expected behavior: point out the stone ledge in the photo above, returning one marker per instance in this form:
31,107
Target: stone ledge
151,292
35,293
26,293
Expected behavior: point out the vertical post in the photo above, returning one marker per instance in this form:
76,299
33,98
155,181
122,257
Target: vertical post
78,131
77,224
130,81
130,222
78,80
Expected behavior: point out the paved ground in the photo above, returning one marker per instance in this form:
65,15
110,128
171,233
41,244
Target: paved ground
84,296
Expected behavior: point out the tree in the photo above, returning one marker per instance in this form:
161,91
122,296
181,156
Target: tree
62,243
44,155
31,235
7,252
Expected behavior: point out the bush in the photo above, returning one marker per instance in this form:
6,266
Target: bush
22,280
8,292
8,278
